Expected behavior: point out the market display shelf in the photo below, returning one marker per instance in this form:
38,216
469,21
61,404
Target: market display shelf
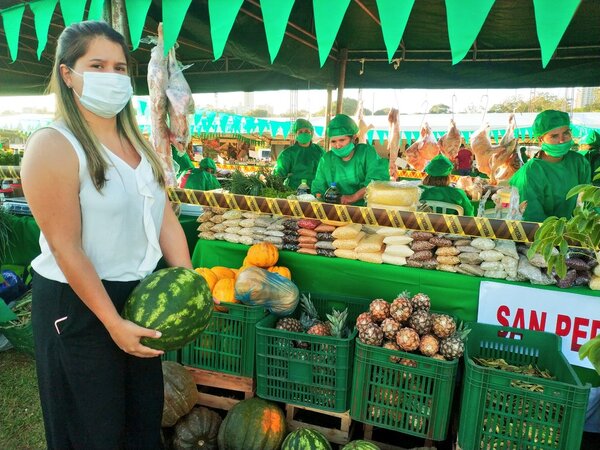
412,396
502,409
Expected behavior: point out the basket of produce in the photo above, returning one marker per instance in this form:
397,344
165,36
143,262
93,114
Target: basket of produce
19,331
519,391
306,359
405,366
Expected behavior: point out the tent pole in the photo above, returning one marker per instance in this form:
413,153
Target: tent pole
343,60
328,116
118,17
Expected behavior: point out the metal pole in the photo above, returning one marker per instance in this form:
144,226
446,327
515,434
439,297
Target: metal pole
119,19
343,60
328,115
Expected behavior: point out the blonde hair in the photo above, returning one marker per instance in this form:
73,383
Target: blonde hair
72,44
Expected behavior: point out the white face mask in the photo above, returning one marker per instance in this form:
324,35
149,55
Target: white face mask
105,93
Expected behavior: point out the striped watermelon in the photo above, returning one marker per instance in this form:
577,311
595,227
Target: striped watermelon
360,445
175,301
305,439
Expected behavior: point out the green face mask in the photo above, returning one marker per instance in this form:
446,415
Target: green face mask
344,151
557,150
304,138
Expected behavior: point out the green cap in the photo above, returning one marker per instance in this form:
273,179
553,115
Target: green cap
208,163
440,166
592,139
549,120
342,125
302,123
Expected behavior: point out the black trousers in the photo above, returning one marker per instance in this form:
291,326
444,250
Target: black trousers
93,395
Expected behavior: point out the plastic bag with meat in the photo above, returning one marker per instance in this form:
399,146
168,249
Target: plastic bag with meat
423,150
180,104
450,142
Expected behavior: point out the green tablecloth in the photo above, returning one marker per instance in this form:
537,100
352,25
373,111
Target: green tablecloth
453,293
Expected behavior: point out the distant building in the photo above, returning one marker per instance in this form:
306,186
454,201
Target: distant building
584,96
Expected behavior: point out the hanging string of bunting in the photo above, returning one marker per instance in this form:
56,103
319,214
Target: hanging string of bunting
465,19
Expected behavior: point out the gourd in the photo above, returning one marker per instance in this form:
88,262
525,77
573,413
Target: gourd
281,270
252,424
197,430
209,276
259,287
180,392
223,272
263,254
224,292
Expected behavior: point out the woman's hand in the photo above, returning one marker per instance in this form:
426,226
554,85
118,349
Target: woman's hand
347,199
127,336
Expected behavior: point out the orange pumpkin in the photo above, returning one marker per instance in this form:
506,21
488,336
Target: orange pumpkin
263,254
223,272
208,275
224,290
281,270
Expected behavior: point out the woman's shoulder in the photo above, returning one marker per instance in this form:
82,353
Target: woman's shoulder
49,142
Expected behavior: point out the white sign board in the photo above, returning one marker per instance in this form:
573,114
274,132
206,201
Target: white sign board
575,318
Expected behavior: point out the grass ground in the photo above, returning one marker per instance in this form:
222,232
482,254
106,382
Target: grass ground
21,425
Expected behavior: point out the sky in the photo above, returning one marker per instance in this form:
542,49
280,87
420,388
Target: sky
406,100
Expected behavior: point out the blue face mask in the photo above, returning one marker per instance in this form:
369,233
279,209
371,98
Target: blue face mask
343,151
557,150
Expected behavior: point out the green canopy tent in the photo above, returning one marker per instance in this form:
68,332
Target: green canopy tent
362,43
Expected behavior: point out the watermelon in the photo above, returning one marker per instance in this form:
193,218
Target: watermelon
305,439
175,301
360,445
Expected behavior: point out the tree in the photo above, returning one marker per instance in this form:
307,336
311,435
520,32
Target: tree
258,113
349,107
382,112
537,103
440,108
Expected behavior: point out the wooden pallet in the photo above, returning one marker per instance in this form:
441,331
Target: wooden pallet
220,390
314,419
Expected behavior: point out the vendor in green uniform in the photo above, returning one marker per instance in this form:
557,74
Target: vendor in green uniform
352,166
299,161
589,147
184,162
202,179
543,182
436,185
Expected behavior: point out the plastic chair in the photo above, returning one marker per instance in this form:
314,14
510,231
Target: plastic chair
443,207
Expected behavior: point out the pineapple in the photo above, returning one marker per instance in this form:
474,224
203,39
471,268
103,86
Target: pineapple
421,301
438,356
309,316
443,325
289,324
454,346
407,339
390,327
420,321
391,345
371,334
379,309
401,309
319,329
407,362
337,323
429,345
363,319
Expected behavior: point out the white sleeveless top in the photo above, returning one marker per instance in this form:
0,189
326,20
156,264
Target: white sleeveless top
120,225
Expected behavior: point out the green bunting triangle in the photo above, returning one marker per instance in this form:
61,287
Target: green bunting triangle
72,11
42,15
96,10
275,16
11,18
136,16
465,19
551,20
393,15
328,19
173,13
222,14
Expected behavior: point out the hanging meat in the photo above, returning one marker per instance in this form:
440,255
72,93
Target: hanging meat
158,78
497,162
180,104
423,149
393,141
450,142
363,128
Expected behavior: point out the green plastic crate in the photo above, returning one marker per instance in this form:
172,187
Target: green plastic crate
304,369
413,400
173,355
498,408
228,344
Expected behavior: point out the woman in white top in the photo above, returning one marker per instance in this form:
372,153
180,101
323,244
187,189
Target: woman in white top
96,189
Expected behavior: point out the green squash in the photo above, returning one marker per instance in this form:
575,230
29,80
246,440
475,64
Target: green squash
252,424
305,439
197,430
181,392
360,445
